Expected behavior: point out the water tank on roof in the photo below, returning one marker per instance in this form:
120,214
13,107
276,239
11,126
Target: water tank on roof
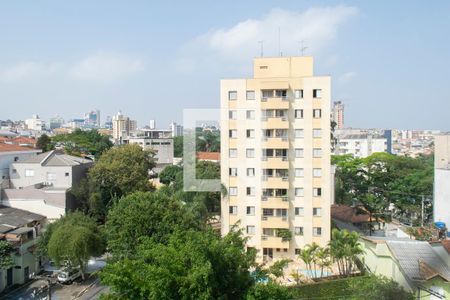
440,225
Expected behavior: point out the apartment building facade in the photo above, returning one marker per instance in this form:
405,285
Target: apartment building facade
275,162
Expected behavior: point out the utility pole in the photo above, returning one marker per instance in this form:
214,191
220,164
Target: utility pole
423,200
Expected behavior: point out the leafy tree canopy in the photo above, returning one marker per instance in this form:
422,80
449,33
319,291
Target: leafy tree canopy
6,249
81,142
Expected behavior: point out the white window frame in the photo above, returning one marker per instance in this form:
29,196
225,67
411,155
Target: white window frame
250,210
251,229
300,210
299,151
251,135
317,172
317,133
232,95
317,152
250,92
299,133
233,172
298,94
298,112
299,192
250,114
250,152
232,153
29,173
316,231
251,172
317,211
298,230
233,191
299,172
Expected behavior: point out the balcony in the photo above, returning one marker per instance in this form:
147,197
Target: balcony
275,103
280,182
275,122
273,242
270,202
275,222
275,162
276,142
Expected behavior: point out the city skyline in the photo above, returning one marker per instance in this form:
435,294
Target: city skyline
124,57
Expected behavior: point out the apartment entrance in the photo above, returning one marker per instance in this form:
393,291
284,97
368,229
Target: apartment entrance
268,252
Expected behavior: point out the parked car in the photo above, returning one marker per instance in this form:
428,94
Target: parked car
68,275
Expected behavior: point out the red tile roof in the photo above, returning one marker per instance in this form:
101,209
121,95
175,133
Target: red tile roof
12,148
446,245
214,156
21,140
350,214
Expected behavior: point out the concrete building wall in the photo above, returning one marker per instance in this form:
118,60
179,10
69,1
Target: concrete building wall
441,205
59,177
290,74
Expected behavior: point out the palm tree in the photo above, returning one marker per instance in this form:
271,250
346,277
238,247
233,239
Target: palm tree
308,256
323,259
344,249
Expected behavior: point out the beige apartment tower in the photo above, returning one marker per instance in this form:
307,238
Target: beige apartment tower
275,162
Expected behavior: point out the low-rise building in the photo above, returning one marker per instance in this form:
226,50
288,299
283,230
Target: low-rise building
20,228
414,265
361,145
41,184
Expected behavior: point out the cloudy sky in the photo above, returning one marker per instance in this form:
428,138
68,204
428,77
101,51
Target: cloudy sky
389,60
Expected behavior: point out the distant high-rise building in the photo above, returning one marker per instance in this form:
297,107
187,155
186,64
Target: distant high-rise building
92,118
177,130
122,127
108,122
56,122
35,123
275,162
337,114
152,124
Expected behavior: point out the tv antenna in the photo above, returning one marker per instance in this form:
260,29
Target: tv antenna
279,42
261,43
302,47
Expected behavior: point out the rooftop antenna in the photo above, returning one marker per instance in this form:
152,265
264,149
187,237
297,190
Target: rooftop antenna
302,47
279,42
262,47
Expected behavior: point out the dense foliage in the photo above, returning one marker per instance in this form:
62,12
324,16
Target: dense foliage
382,180
45,143
6,249
206,141
72,240
118,172
81,142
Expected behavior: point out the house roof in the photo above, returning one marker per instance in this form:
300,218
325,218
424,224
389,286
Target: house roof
208,156
14,148
418,260
23,140
12,218
350,214
56,158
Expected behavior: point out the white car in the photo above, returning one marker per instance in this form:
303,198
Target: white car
67,276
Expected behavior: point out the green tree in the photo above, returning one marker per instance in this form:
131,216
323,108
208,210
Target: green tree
190,265
208,141
73,240
45,143
81,142
270,291
277,268
118,172
6,249
141,215
169,174
309,256
345,249
178,146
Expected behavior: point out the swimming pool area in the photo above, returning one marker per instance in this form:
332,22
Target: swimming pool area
314,273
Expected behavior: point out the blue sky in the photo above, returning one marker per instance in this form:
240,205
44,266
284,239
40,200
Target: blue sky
389,60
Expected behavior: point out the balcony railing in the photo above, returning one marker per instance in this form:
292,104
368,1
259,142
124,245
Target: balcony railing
266,218
265,158
266,177
283,198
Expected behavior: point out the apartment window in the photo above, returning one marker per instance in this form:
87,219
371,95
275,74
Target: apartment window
317,93
299,192
232,133
16,158
298,94
317,152
317,172
14,171
250,114
250,133
299,113
317,192
232,95
299,152
233,191
317,211
281,93
29,173
250,172
267,94
250,95
250,191
250,153
317,113
317,231
299,211
317,133
297,251
233,153
250,210
233,172
232,114
298,230
267,212
250,229
233,210
299,172
299,133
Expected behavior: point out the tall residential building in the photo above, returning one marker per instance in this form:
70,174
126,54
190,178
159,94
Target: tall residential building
337,114
92,118
177,130
275,163
441,201
35,123
122,126
56,122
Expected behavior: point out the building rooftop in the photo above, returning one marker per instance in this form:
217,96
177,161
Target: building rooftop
56,158
360,136
14,148
418,260
12,218
208,156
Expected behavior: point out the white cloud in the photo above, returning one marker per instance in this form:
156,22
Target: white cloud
347,77
239,43
28,70
105,67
